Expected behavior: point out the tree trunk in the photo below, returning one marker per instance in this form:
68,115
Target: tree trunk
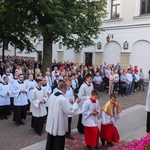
3,52
47,54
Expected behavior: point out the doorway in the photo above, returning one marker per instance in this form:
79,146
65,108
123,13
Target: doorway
88,59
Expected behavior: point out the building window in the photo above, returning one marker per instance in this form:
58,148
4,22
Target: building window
115,9
145,6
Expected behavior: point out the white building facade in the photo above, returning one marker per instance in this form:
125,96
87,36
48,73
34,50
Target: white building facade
128,27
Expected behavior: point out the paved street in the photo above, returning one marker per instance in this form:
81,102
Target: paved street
15,138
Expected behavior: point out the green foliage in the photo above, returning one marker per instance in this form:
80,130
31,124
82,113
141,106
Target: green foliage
74,22
16,26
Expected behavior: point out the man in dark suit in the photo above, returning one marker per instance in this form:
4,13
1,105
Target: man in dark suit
56,81
80,78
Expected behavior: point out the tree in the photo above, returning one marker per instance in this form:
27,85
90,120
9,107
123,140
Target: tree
73,22
15,30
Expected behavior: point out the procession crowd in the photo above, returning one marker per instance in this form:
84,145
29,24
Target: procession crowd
65,90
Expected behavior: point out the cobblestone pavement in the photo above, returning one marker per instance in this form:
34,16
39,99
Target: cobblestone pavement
14,138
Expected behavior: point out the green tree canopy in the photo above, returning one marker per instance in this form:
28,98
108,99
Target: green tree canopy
73,22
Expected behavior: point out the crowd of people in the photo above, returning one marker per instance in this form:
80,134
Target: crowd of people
64,90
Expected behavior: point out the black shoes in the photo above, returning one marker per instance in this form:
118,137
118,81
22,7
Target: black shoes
70,137
88,147
22,123
103,142
6,117
3,117
94,148
109,144
38,133
17,124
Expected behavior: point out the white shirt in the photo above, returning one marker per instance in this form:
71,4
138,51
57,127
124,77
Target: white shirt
107,119
30,83
88,119
48,80
69,95
10,76
57,120
116,77
48,91
129,77
85,92
4,97
55,90
38,109
137,78
20,99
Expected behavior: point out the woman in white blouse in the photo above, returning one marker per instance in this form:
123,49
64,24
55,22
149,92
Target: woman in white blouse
111,82
137,79
116,80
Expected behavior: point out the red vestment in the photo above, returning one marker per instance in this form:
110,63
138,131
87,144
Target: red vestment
109,133
91,136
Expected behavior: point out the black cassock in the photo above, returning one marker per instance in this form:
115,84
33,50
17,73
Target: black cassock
148,122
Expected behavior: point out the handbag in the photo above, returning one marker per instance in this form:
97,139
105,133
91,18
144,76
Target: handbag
124,85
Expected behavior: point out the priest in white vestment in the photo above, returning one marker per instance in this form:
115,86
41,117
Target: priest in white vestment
147,108
57,120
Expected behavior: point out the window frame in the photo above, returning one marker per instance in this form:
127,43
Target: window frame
114,5
145,7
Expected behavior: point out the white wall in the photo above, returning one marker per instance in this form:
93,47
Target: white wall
112,53
140,56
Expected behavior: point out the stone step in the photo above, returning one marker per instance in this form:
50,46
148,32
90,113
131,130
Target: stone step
131,125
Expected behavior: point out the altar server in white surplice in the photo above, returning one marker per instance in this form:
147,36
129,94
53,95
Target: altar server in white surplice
38,109
70,96
19,92
57,120
90,111
48,90
8,74
5,93
14,80
84,93
15,77
31,84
